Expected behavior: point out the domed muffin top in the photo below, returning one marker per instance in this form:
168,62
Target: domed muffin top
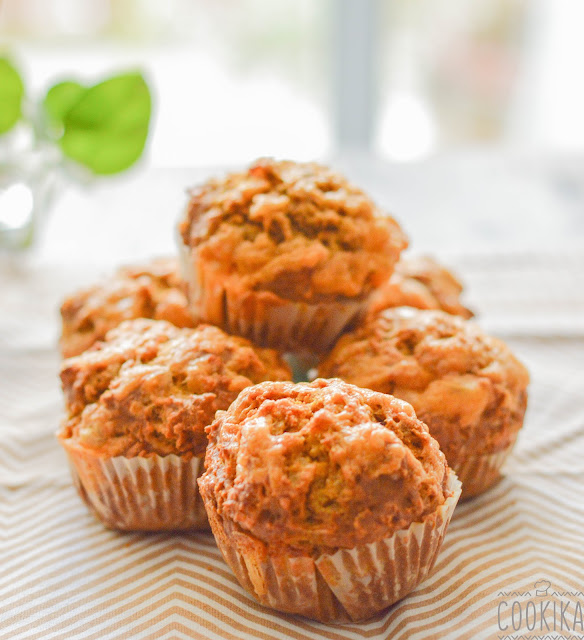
153,290
322,465
423,283
467,386
298,230
152,388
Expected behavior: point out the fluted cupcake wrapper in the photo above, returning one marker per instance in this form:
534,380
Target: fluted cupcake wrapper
140,494
479,473
349,585
261,316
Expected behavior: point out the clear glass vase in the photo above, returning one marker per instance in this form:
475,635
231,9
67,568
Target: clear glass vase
28,181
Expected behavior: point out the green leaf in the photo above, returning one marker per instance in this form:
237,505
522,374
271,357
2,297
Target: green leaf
11,94
61,98
107,128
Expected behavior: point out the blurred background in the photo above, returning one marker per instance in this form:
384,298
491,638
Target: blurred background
401,79
464,119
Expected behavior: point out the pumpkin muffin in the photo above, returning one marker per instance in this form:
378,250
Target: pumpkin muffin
137,407
423,283
285,254
154,290
318,493
466,386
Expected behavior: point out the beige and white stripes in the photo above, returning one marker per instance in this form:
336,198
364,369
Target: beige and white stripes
62,575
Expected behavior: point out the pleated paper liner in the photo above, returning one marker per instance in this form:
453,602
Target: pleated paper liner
349,585
154,493
479,473
261,316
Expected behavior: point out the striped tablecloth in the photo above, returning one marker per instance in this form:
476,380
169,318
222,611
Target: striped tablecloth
512,565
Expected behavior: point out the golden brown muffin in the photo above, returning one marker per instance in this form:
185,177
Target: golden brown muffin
146,394
306,483
423,283
154,290
467,387
285,253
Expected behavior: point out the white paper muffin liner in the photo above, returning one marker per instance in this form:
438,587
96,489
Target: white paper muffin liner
154,493
261,316
349,585
479,473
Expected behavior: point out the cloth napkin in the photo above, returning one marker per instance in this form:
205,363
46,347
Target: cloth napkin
506,554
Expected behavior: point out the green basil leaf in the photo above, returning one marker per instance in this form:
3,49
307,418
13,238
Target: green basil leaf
61,98
107,128
11,94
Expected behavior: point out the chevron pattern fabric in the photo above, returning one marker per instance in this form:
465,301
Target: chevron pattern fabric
63,575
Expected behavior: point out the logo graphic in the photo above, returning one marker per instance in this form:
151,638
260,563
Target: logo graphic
541,587
551,614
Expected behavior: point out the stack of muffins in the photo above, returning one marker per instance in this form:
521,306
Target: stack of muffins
328,498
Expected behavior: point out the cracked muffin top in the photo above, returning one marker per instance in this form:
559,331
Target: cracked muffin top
154,290
298,230
423,283
321,465
152,388
466,386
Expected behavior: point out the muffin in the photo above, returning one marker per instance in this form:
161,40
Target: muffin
326,500
137,407
154,290
285,254
467,387
423,283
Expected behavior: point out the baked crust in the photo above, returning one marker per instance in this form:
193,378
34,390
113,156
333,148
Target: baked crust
153,290
466,386
319,466
298,230
152,388
423,283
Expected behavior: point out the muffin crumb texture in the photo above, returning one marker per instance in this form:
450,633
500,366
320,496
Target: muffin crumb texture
466,386
151,388
154,290
320,466
423,283
298,230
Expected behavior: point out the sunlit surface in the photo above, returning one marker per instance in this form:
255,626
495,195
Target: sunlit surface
407,130
16,206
